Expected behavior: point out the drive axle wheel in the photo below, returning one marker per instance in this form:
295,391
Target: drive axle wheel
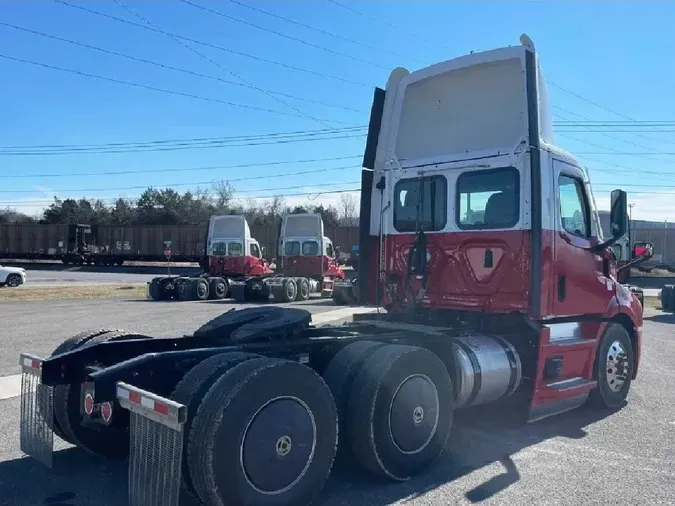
68,345
290,290
191,390
265,434
614,366
400,411
105,441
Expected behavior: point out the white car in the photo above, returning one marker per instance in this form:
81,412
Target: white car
12,276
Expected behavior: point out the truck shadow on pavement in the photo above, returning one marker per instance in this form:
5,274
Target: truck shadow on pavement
661,318
476,443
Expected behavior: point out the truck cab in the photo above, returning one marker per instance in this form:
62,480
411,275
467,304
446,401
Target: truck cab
305,250
231,249
470,212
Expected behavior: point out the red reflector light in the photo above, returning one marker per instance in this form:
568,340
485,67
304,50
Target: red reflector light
135,397
88,404
162,409
106,411
35,364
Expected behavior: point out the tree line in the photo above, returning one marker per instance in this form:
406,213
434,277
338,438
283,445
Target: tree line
170,207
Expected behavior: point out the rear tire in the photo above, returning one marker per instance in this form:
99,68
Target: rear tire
303,289
290,290
200,288
265,434
400,411
68,345
613,370
340,375
193,387
107,442
217,288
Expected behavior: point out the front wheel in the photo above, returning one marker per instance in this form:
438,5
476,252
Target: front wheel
13,280
614,366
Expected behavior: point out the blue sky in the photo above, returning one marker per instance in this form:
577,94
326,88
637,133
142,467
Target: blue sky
608,53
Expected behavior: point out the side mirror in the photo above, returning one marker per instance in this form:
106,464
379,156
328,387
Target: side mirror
643,251
262,251
618,214
337,251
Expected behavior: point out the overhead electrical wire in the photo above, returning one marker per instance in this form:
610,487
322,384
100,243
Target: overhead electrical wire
214,62
199,168
319,30
261,141
283,35
152,88
191,183
215,46
192,139
175,69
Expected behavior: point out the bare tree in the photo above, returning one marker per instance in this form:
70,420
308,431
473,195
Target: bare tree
348,208
223,192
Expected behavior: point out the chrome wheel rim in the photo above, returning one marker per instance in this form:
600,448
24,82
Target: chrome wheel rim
616,366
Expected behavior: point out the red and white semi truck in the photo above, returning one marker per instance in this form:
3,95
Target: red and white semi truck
232,255
307,263
481,239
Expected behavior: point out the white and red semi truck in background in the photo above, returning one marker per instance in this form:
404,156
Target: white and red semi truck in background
232,255
481,243
307,263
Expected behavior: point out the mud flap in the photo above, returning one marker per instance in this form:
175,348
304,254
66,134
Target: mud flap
155,459
37,412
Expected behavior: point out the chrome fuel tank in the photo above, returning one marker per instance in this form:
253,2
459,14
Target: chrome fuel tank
486,368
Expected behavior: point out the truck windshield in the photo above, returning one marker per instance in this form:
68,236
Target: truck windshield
234,249
310,248
292,248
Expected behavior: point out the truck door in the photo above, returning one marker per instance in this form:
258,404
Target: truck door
579,285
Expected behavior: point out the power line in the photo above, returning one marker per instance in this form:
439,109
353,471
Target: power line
191,183
386,23
174,147
191,139
301,41
319,30
195,169
215,46
621,115
175,69
147,87
212,61
607,134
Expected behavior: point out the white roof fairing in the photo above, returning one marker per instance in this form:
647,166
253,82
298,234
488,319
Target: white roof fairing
472,106
229,227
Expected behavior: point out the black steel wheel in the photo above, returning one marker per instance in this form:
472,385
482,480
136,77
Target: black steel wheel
68,345
290,290
340,375
108,442
303,289
400,411
613,369
191,390
265,434
217,288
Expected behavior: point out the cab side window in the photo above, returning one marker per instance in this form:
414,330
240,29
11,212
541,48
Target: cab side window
254,250
574,209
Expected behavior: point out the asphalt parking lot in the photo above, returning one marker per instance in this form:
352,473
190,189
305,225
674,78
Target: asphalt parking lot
582,457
